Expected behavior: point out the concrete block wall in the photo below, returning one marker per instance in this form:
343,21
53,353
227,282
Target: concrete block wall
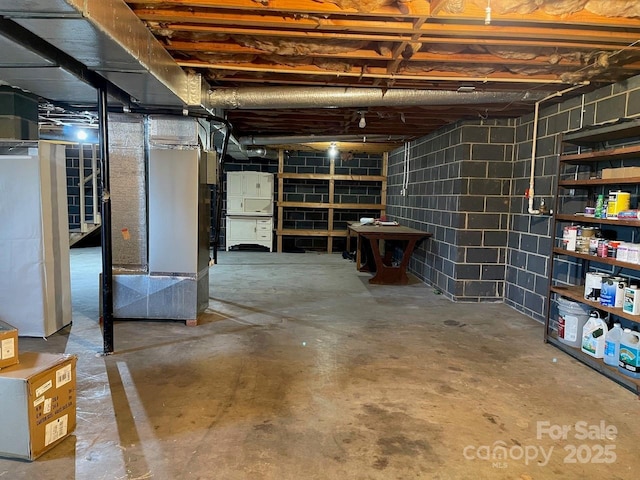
73,184
466,190
459,182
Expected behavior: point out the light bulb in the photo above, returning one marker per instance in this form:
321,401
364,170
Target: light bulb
333,151
81,134
362,123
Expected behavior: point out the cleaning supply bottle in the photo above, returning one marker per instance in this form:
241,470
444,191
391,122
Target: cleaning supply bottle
593,335
629,363
612,345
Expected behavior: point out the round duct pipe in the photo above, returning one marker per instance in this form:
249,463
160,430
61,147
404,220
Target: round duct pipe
336,97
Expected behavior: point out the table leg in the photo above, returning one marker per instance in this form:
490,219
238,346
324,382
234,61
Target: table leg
389,275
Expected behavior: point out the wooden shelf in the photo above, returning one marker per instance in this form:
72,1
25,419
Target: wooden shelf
312,233
604,221
595,134
597,364
328,176
340,206
331,206
591,182
595,258
576,292
600,155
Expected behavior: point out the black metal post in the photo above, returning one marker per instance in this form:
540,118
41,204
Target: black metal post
107,256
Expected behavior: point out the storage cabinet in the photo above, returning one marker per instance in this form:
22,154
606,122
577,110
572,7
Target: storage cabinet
249,193
249,209
247,230
594,161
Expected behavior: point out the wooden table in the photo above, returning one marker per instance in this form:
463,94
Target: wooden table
386,273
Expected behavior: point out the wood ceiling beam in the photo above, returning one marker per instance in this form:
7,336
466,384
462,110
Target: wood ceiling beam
286,7
582,18
505,77
217,48
259,25
321,19
432,8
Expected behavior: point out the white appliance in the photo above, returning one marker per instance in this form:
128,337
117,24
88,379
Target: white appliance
249,209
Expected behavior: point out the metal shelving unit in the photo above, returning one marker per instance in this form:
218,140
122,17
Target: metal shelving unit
604,150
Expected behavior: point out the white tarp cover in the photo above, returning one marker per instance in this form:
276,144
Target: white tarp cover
35,286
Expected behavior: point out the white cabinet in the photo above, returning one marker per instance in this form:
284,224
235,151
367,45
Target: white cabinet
249,193
249,209
249,230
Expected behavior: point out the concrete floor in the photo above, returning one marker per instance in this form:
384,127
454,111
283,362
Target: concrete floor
302,370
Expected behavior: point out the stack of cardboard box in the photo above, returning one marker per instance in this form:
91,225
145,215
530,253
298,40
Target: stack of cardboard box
37,398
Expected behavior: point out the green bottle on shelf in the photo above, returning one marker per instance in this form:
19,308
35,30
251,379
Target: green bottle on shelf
600,212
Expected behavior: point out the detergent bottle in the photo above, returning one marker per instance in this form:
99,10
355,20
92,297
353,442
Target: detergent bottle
593,335
629,363
612,345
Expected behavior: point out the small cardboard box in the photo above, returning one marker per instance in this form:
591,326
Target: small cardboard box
620,172
8,345
37,404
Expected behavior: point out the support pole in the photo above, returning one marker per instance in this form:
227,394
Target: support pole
107,255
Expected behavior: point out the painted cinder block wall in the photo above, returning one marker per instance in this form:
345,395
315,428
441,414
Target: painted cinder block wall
459,183
73,183
466,190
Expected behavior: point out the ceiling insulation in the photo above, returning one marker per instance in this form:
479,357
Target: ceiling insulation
614,8
610,8
523,47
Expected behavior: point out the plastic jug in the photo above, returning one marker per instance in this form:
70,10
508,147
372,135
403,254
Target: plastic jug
612,345
629,363
571,319
593,335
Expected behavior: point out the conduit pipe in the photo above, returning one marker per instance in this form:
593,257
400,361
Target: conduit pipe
536,114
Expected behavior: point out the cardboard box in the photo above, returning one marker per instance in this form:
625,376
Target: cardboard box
621,172
37,404
8,345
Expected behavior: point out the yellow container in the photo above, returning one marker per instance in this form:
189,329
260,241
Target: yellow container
618,202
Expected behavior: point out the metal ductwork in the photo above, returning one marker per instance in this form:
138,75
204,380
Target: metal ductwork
102,36
336,97
279,140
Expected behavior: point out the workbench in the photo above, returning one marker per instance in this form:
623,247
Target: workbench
386,273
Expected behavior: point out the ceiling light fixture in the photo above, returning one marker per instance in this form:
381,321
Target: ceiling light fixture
487,13
363,122
333,150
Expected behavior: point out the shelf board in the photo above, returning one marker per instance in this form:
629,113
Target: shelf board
328,176
311,232
342,206
576,292
604,221
624,128
599,155
598,181
597,364
595,258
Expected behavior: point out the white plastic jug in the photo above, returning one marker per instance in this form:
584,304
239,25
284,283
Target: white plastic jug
571,319
630,353
612,346
594,334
